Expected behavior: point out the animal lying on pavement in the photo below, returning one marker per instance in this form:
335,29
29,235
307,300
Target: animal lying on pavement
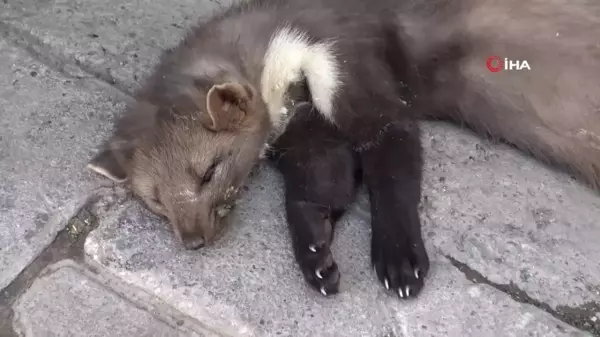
373,69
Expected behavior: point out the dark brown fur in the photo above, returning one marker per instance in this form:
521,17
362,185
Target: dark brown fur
321,173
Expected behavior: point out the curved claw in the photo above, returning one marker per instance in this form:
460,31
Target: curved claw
323,291
318,273
312,248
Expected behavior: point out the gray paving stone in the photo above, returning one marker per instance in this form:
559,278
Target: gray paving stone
67,302
118,41
49,125
248,284
502,214
511,218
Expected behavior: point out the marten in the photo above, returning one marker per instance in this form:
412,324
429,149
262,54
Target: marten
373,69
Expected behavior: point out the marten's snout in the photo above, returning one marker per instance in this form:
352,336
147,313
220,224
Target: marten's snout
197,230
192,237
192,242
194,228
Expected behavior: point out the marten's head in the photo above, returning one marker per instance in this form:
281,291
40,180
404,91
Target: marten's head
187,158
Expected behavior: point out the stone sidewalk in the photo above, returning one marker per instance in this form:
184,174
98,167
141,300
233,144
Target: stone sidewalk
515,245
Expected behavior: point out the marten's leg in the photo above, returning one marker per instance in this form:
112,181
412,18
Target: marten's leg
321,175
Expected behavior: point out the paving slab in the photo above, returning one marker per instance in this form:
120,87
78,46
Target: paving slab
498,212
49,126
67,301
118,42
512,219
247,283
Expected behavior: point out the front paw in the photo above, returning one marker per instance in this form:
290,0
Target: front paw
319,268
401,262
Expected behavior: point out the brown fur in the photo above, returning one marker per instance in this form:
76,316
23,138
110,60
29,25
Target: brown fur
175,169
436,48
559,116
164,144
321,174
551,111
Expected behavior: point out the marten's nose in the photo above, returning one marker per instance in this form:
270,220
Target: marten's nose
193,242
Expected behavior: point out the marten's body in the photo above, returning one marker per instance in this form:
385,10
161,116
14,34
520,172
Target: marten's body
373,68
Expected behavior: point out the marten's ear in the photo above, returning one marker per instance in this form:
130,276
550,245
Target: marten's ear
112,163
228,106
114,159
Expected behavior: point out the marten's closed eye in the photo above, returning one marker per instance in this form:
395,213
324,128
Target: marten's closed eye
208,175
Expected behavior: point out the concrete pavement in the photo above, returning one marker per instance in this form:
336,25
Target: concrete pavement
514,243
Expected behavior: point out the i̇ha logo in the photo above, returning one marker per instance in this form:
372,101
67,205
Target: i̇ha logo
496,63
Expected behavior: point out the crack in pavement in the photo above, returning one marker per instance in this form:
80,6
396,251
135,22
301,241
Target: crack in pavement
580,317
68,243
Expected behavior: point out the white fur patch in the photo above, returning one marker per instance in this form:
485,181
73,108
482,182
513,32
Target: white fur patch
288,56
